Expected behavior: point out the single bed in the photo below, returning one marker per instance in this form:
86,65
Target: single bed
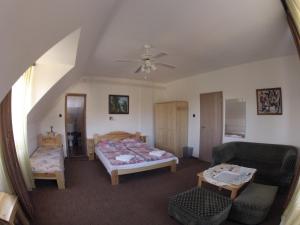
47,161
115,144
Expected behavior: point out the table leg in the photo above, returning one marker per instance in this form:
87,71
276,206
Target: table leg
233,194
199,182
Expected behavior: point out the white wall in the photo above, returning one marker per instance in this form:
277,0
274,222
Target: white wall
32,136
53,65
235,82
241,82
44,77
49,69
140,118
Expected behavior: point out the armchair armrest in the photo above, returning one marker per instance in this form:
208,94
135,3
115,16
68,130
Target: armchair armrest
223,153
289,162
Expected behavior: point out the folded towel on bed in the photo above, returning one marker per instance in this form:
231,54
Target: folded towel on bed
157,153
124,158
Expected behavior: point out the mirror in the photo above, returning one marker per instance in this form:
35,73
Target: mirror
235,118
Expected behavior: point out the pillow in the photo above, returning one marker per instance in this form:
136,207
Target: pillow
129,140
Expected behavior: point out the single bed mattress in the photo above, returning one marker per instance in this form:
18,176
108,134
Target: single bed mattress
138,153
47,160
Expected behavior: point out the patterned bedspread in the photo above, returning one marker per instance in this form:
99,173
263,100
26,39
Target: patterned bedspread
47,160
140,151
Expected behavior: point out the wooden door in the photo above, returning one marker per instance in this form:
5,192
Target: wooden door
211,123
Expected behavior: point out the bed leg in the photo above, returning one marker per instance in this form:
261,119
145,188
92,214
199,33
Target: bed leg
60,178
33,183
173,167
114,177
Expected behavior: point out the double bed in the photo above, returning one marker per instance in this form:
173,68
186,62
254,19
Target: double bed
125,153
47,161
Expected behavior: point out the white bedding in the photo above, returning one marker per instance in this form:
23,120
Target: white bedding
109,167
47,160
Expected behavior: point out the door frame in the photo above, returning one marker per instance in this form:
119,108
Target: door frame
222,117
84,122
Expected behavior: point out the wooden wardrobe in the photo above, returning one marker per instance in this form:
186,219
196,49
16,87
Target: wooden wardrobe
171,126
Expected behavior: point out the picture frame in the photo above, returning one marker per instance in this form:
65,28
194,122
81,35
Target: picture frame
118,104
269,101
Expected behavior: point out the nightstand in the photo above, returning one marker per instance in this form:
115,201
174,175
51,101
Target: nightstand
10,210
143,138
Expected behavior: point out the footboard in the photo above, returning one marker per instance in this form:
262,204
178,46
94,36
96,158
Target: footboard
58,176
116,173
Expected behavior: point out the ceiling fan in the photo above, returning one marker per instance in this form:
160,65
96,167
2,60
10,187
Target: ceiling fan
147,62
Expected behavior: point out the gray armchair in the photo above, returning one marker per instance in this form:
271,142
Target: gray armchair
275,164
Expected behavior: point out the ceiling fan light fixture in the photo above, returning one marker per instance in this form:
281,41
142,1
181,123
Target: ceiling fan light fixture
153,67
148,70
148,62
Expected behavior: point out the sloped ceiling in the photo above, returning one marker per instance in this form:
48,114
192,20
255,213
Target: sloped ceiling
91,31
29,28
199,36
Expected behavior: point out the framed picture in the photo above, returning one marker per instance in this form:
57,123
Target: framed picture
269,101
118,104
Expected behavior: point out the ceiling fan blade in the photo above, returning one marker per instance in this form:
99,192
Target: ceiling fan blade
128,60
166,65
160,55
138,69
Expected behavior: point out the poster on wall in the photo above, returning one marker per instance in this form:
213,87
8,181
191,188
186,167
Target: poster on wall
269,101
118,104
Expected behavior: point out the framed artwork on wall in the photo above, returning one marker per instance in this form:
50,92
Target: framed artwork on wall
118,104
269,101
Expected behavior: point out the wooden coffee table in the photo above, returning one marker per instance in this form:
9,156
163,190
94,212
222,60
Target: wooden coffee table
234,189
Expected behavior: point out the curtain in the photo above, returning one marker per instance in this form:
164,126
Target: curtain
10,158
21,104
294,7
292,213
4,180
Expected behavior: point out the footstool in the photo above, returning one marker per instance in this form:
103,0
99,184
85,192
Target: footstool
253,204
199,206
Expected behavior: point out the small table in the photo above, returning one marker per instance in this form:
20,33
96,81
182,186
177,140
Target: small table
233,188
10,210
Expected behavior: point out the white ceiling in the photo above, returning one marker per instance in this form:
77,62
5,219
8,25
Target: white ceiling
199,35
29,28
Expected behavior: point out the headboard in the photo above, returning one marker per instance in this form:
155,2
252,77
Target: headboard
116,135
50,140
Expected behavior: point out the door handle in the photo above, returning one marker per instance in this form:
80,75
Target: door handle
203,127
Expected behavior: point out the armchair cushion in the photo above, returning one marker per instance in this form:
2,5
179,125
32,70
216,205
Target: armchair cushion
253,204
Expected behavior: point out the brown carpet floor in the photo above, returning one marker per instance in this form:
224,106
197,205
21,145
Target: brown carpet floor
139,199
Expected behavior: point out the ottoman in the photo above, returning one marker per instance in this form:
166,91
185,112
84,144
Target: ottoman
199,206
253,204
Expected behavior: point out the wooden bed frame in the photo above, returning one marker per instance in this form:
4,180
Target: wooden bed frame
119,135
55,141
